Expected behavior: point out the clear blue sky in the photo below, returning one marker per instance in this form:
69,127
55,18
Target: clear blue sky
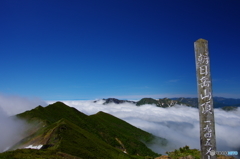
59,49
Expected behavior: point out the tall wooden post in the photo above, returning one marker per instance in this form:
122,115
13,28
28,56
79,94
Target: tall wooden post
205,101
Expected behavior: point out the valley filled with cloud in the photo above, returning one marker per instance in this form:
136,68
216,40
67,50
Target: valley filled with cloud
178,124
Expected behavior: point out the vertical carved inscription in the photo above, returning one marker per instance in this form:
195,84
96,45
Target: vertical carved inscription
205,101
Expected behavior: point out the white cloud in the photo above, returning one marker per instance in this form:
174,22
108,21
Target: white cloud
179,124
12,129
13,104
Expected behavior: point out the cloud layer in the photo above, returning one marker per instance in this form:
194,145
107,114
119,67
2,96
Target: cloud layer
12,129
13,104
178,124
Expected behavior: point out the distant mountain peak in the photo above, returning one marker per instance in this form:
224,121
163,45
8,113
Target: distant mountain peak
165,102
116,101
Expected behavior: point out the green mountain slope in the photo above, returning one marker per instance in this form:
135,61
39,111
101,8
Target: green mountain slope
52,113
126,137
62,129
165,102
35,154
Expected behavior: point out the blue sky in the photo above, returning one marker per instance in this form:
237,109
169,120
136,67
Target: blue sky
59,50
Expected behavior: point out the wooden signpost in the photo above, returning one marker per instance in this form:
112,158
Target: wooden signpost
205,101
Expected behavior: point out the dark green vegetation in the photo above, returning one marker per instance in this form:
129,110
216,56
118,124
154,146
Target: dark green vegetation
64,130
165,102
35,154
147,101
183,152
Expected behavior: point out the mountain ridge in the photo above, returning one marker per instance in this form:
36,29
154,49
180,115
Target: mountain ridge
218,102
64,129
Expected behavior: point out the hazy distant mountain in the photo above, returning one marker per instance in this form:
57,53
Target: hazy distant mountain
116,101
165,102
221,102
158,102
188,101
218,102
64,132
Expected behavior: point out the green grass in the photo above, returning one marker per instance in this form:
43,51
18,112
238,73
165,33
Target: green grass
183,152
130,136
52,113
78,142
147,101
35,154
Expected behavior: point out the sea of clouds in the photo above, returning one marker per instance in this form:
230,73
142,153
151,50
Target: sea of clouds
178,124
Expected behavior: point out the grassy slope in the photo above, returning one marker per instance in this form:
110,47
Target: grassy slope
64,136
79,142
35,154
147,101
184,152
54,112
96,136
130,136
165,102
